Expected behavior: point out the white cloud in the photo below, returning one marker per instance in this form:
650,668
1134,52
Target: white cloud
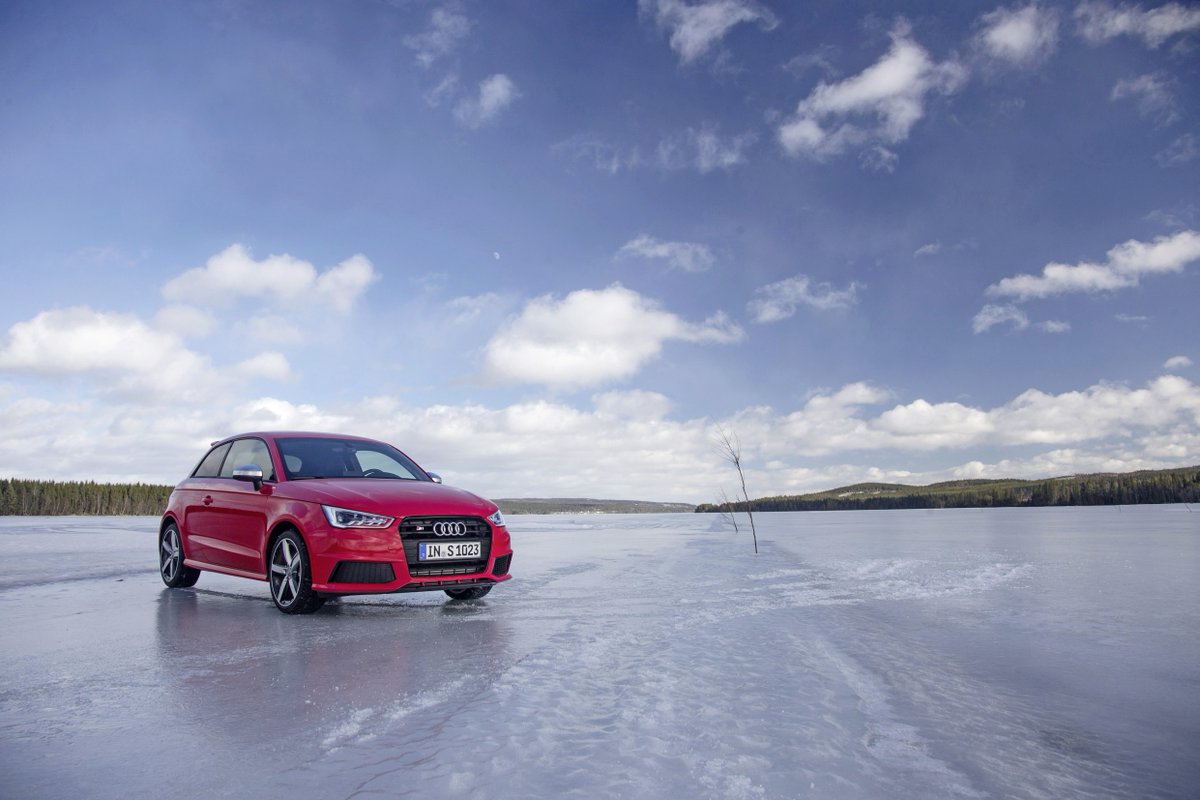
446,29
627,444
931,249
273,329
778,301
1101,21
468,308
265,365
992,315
1126,265
592,336
496,93
233,274
886,100
685,256
121,352
1055,326
1179,152
696,28
1018,37
704,150
1177,362
1102,411
1153,96
603,155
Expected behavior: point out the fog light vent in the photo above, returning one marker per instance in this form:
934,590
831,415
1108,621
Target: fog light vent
362,572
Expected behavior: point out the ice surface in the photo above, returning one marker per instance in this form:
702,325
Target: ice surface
1013,653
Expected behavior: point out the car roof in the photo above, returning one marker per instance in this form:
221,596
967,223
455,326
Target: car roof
289,434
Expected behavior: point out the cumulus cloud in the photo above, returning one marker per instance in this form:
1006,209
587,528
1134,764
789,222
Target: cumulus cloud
780,300
1101,21
121,351
592,336
829,424
1126,265
496,93
446,29
1018,37
1153,96
685,256
1177,362
233,274
628,444
879,106
695,28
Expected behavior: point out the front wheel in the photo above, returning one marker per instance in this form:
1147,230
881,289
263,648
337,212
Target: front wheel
470,593
291,579
170,560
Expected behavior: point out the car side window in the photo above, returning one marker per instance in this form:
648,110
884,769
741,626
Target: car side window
249,451
210,467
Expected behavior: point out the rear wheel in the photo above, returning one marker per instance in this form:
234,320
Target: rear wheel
291,579
170,559
469,593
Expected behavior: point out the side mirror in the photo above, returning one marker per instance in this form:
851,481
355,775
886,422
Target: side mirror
251,473
434,476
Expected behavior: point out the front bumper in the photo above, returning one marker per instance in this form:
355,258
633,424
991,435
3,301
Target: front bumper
354,561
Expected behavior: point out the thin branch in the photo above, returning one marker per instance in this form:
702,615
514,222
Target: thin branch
731,451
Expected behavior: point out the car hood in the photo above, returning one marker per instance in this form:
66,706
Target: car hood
394,498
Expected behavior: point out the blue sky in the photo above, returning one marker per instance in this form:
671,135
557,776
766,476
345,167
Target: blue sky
551,249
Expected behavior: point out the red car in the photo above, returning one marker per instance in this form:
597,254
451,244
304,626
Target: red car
321,515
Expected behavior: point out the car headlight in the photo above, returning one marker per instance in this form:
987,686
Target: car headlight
345,518
497,519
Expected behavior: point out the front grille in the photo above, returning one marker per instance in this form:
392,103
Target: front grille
362,572
414,530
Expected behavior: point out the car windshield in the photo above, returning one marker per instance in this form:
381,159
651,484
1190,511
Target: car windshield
313,457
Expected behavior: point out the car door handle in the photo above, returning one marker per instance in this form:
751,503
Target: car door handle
208,500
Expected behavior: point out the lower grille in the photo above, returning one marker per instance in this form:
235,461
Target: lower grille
414,530
502,564
362,572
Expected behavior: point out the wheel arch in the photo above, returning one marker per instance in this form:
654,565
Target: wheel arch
276,531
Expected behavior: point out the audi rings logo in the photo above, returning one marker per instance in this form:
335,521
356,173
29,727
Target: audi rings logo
449,528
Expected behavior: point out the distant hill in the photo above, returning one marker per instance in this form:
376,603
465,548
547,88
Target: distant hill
579,505
1129,488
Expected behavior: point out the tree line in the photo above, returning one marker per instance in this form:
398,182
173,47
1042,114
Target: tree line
59,498
1133,488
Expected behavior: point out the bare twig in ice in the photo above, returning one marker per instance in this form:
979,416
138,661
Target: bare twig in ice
731,450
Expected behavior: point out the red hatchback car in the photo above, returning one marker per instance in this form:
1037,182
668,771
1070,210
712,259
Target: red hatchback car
323,515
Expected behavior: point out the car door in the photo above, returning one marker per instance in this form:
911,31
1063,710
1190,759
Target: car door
236,523
201,526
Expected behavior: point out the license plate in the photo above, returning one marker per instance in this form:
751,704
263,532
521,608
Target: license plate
444,551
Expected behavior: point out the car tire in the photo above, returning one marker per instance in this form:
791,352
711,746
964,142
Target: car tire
290,576
170,559
469,593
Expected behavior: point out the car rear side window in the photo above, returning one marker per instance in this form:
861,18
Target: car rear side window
249,451
210,467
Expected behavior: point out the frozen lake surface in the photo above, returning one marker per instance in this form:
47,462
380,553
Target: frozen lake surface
1012,653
